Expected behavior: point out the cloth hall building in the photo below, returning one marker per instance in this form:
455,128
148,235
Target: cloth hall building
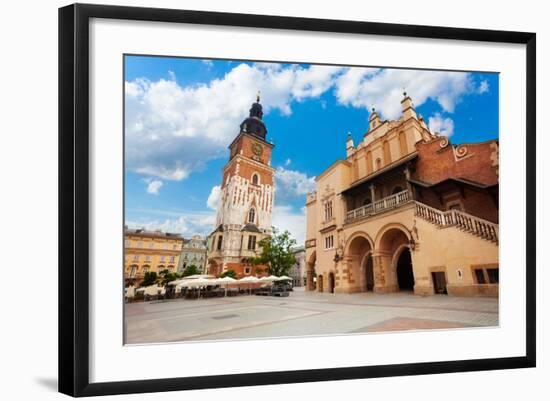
406,211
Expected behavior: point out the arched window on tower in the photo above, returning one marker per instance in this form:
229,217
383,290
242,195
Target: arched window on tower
251,215
255,179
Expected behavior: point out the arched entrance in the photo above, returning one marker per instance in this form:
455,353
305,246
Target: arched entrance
394,254
358,255
404,270
320,283
331,283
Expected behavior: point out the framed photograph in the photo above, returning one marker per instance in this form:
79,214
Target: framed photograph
251,199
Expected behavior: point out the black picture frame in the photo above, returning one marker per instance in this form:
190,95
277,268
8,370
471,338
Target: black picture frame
74,198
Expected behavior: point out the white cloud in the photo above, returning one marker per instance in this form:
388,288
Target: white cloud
292,183
186,225
287,162
153,186
483,87
444,126
312,82
285,218
214,197
173,130
383,88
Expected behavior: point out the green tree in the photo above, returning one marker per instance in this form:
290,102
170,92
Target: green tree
149,278
190,270
229,273
259,270
276,253
165,276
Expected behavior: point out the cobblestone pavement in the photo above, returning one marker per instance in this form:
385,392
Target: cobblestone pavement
301,314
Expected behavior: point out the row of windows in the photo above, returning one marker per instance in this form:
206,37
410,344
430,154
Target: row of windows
193,256
195,245
136,258
150,245
146,269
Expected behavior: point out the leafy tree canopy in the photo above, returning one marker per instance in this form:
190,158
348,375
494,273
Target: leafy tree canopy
190,270
276,253
229,273
149,278
165,276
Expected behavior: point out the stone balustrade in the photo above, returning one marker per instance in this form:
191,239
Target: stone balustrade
379,206
463,221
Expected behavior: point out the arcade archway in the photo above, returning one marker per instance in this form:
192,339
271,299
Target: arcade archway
404,270
395,258
310,272
358,253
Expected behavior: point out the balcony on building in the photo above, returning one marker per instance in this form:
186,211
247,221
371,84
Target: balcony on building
386,189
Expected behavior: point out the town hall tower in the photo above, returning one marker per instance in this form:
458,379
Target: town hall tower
246,200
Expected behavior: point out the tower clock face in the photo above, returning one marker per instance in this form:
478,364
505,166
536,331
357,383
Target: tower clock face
257,149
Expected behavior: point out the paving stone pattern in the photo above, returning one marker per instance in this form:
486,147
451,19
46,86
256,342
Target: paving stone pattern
302,314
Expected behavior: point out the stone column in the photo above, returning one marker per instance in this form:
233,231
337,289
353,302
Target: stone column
309,280
372,193
381,261
352,279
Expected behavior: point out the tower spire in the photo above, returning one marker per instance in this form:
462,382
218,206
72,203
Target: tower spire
254,124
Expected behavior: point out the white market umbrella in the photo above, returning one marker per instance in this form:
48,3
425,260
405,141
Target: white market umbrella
270,278
199,282
226,281
249,280
198,276
282,278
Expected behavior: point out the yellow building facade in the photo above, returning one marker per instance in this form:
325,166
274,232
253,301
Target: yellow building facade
149,251
405,211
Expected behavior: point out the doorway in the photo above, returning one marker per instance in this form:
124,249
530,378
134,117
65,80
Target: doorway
369,271
405,276
440,282
331,283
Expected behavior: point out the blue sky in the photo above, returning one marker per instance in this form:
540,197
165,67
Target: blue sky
181,114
